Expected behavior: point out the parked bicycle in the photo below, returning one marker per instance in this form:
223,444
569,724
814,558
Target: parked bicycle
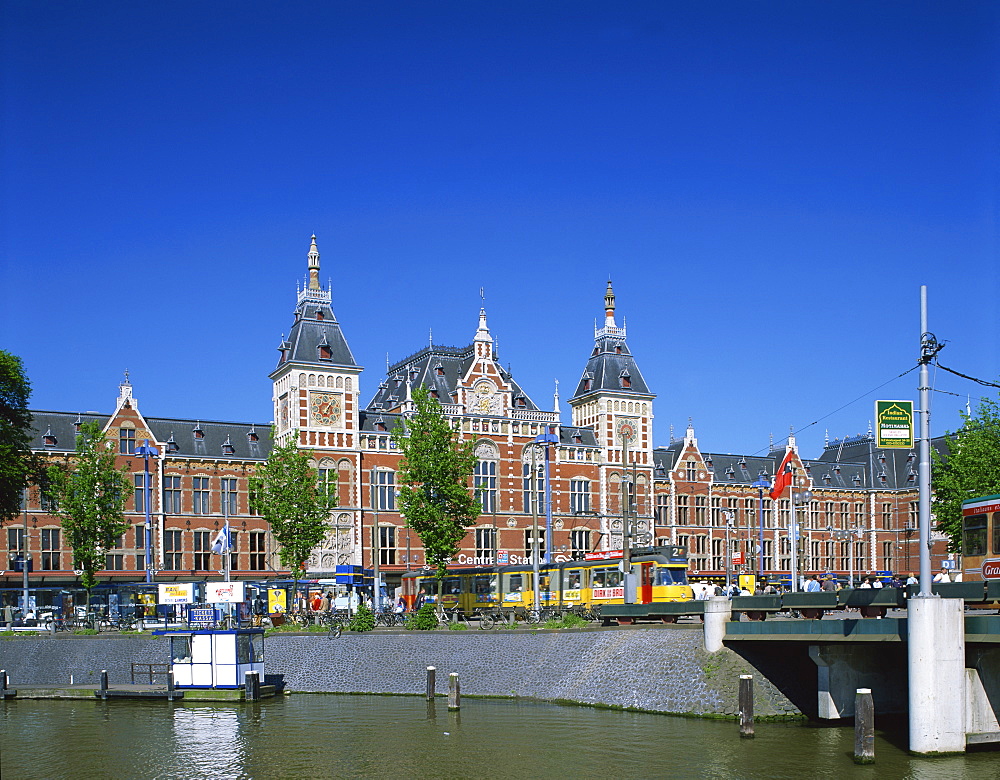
335,621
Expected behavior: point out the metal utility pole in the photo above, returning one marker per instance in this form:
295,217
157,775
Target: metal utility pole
761,483
929,347
25,558
148,452
376,574
729,515
533,484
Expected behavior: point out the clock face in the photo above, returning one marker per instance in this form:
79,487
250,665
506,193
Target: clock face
626,429
324,408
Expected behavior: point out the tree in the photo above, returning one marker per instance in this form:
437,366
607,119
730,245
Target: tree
434,494
90,497
285,492
970,468
18,465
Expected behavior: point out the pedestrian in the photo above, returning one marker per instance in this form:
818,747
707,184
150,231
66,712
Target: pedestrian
942,576
812,585
876,581
326,603
316,603
866,583
912,580
829,585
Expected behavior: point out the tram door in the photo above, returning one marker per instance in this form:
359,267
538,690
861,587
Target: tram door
645,582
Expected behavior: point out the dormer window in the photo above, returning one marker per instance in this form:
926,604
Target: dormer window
49,438
198,432
252,436
325,352
577,438
883,477
626,380
519,402
596,350
439,369
435,394
172,446
827,478
380,426
618,349
227,447
78,424
319,314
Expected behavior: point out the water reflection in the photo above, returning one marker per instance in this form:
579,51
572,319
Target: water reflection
320,736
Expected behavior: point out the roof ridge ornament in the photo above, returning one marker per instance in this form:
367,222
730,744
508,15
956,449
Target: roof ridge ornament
610,330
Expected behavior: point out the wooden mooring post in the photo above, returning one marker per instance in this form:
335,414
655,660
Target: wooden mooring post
170,685
454,692
746,706
430,683
864,727
103,693
252,686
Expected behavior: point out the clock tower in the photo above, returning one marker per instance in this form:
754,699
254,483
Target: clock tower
612,398
315,392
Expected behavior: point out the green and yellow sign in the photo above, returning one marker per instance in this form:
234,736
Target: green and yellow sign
894,424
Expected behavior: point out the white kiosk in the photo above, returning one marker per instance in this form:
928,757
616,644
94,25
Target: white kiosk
213,658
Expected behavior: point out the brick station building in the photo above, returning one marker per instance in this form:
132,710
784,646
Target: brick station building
863,505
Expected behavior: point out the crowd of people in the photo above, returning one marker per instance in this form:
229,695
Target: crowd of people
813,583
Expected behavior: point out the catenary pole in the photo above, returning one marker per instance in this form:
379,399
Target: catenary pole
928,349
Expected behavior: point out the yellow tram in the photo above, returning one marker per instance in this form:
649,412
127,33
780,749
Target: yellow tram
981,538
661,575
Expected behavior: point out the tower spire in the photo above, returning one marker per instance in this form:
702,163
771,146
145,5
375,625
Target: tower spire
609,306
314,265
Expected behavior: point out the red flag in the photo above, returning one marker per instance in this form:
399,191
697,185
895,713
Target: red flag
784,476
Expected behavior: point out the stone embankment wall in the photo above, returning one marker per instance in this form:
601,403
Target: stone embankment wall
655,669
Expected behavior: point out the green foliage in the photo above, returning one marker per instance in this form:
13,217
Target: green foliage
569,620
970,469
363,619
434,494
91,501
285,493
455,626
87,632
18,465
424,620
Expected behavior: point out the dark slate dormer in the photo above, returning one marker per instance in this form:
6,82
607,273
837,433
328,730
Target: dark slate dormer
227,447
49,439
611,367
315,338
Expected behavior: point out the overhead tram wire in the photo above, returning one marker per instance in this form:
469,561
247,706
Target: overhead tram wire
840,408
965,376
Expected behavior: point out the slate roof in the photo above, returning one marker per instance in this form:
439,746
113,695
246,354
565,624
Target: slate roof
315,326
854,463
440,368
609,363
176,436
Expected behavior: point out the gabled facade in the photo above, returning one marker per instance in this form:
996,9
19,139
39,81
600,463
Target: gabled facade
606,476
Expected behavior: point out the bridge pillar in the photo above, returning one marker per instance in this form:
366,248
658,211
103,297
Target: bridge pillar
936,665
718,612
843,668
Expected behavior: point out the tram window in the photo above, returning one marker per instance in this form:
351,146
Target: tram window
995,520
573,579
485,584
975,535
452,585
606,578
665,576
515,583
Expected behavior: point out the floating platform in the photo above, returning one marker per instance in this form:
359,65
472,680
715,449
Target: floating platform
132,692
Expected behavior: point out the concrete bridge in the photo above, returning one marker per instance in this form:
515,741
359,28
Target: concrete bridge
935,658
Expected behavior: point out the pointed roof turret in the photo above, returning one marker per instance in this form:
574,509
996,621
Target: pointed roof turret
315,337
611,367
483,334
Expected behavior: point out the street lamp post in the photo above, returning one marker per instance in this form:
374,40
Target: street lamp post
847,534
730,515
762,483
148,452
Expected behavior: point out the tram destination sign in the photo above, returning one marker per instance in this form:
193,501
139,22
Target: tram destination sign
894,424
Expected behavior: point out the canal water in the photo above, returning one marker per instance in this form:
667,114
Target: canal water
328,736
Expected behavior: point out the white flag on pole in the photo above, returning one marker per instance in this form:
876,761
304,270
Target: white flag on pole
221,542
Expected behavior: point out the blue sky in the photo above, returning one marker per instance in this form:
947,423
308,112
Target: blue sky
767,184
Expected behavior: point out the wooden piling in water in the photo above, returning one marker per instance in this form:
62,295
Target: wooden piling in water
746,706
864,727
430,683
454,692
252,686
104,684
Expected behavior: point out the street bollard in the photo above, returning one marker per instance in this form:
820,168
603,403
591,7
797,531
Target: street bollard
252,686
864,727
170,685
454,692
104,683
746,706
430,683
